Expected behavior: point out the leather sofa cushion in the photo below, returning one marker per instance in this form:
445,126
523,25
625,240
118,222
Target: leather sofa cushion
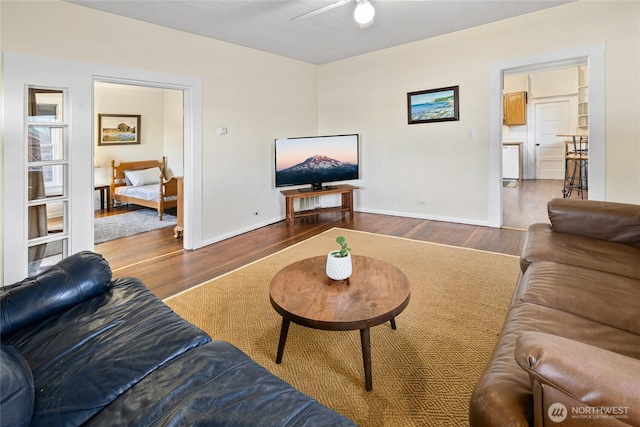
614,222
215,385
535,317
74,279
589,378
85,357
503,395
17,392
544,244
601,297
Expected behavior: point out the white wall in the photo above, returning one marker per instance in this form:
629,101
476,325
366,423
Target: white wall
258,96
437,162
1,158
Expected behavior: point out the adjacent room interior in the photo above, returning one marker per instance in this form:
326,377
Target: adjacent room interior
160,112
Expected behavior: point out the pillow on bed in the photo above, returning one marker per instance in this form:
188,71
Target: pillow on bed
143,177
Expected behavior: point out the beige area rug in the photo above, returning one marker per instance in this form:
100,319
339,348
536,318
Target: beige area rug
423,372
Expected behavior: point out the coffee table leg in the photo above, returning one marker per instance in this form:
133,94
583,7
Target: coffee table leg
284,330
365,338
393,323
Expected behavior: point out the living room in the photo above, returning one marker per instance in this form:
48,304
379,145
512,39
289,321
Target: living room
258,96
366,94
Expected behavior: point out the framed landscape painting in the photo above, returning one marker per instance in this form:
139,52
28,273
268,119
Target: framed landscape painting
433,105
118,129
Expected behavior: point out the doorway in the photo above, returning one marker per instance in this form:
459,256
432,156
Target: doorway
594,56
21,71
551,110
160,111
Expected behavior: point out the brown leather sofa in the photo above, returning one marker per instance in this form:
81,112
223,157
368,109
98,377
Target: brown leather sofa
568,354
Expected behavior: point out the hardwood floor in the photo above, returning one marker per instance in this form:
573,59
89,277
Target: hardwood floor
527,203
157,258
160,262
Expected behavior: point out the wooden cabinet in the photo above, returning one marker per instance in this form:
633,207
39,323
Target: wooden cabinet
515,108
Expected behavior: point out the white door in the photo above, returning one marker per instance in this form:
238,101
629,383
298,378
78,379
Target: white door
550,120
48,150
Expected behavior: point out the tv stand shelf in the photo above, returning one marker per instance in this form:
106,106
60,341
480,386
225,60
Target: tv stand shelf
347,202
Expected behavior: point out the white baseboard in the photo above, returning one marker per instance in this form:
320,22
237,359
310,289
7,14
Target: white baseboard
237,232
429,217
270,221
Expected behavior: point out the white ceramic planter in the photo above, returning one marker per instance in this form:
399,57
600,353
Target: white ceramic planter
338,268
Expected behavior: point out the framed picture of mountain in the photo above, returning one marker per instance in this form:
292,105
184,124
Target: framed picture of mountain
118,129
433,105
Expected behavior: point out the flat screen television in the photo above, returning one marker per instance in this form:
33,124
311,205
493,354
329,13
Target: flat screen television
316,160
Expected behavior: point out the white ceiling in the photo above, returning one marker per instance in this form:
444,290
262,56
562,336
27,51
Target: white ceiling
333,35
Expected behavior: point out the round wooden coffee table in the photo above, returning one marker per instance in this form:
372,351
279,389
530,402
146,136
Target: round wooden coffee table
302,293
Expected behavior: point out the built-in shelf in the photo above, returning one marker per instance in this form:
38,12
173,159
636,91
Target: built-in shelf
583,98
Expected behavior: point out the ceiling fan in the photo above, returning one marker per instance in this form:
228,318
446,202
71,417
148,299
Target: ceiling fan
363,13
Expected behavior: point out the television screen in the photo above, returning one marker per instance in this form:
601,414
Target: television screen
316,160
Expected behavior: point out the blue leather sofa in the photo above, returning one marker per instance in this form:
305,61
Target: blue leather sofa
79,348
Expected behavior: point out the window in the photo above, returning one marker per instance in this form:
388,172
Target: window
47,186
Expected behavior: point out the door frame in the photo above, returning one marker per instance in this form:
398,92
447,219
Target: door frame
595,57
20,70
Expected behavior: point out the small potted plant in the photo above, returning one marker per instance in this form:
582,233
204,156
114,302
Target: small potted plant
339,262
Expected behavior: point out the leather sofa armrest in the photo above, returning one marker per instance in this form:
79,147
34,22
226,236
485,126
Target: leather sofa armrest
577,383
614,222
76,278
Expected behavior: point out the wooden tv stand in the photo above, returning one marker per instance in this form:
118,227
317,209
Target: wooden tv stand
345,190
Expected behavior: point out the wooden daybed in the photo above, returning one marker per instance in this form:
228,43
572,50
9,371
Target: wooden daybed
144,183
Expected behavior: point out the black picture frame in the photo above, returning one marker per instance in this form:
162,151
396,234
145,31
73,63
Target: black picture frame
119,129
433,105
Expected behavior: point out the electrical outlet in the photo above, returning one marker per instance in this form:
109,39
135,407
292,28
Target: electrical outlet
421,204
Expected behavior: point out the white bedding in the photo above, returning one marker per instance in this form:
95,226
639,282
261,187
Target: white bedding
144,192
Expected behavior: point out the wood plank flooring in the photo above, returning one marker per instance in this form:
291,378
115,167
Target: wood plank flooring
160,262
527,203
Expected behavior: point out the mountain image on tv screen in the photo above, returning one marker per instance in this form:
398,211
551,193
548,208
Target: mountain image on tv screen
317,168
316,160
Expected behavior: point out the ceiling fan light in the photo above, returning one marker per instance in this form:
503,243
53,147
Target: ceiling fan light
364,12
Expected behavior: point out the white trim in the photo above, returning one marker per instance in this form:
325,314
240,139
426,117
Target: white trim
243,230
595,58
466,221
